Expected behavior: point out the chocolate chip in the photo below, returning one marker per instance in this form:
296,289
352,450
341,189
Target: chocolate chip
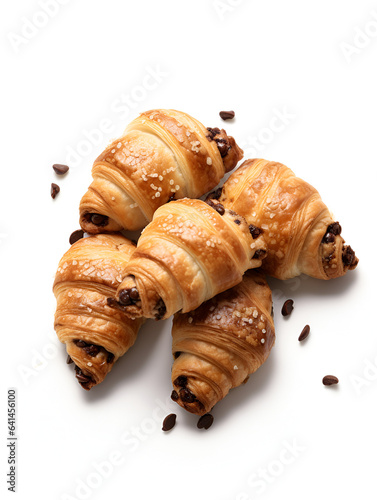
60,169
255,231
111,302
348,256
76,236
287,307
169,422
219,208
187,396
110,357
305,332
174,396
134,294
334,228
205,421
161,309
92,350
99,220
329,238
80,343
69,360
259,254
83,379
54,190
216,194
212,132
124,297
227,115
223,147
237,221
181,381
330,380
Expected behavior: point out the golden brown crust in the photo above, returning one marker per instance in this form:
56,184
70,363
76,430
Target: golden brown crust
161,154
186,255
293,217
217,346
87,276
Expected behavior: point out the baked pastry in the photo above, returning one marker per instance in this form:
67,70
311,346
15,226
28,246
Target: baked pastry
217,346
96,335
162,155
300,233
190,252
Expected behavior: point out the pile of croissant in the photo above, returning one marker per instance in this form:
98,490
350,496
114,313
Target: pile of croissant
203,262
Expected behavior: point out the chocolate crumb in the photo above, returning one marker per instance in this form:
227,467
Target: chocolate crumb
227,115
161,309
330,380
304,334
69,360
76,236
260,254
205,421
60,169
169,422
181,381
55,189
287,307
110,357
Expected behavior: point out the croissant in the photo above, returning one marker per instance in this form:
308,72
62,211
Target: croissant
162,155
96,335
190,252
299,231
217,346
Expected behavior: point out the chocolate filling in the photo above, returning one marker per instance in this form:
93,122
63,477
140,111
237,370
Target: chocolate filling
129,296
174,395
332,230
222,142
348,256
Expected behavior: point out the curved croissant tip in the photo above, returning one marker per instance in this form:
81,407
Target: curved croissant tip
185,397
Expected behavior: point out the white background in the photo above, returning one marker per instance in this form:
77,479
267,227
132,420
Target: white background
306,60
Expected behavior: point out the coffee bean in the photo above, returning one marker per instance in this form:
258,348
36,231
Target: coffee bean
330,380
305,332
205,421
174,396
227,115
76,236
99,220
134,294
69,360
124,297
169,422
187,396
54,190
60,169
287,307
181,381
255,231
110,357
